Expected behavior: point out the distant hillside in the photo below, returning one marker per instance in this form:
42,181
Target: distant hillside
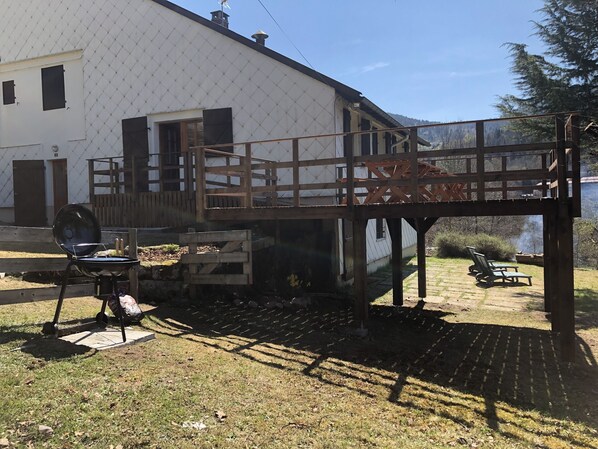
408,121
461,136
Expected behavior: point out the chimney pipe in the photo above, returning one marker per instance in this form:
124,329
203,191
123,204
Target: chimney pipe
260,37
220,18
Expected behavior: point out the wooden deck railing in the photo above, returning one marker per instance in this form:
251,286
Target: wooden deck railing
209,178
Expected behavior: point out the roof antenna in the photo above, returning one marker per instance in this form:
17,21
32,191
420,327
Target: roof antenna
223,4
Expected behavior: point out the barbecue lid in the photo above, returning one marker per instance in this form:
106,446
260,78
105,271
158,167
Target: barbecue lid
76,230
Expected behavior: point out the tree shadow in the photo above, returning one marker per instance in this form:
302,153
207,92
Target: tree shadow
421,360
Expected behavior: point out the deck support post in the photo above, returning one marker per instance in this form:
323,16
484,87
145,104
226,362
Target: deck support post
548,256
360,271
566,283
421,226
395,226
553,268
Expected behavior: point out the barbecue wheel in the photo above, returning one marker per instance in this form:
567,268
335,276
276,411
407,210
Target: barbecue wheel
102,319
50,328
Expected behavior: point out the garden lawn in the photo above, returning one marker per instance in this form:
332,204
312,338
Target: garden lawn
473,367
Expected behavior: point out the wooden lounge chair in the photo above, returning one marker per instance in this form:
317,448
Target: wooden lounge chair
475,268
488,275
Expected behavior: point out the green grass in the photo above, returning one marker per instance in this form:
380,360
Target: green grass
459,372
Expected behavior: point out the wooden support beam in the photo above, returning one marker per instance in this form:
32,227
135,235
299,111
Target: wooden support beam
360,272
421,258
547,257
566,282
395,227
553,262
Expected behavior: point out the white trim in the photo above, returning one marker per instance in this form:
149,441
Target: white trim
50,60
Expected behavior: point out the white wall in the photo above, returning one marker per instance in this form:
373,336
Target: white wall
140,58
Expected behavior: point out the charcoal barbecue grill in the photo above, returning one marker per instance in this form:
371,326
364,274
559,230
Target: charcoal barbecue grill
77,232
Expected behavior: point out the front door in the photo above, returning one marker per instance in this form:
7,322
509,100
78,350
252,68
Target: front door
60,184
170,151
29,187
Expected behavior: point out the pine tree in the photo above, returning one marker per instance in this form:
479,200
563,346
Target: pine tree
565,77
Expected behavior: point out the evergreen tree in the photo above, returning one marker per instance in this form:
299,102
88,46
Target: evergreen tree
565,77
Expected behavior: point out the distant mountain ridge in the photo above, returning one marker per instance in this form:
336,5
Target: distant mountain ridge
408,121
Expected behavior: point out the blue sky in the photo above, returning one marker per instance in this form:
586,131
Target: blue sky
439,60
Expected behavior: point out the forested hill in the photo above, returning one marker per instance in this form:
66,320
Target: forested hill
462,136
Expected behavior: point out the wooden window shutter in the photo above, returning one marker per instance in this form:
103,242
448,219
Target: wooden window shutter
374,142
218,127
136,147
8,92
365,138
347,140
53,93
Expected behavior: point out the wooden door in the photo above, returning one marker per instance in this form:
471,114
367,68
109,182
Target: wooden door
60,184
29,187
170,151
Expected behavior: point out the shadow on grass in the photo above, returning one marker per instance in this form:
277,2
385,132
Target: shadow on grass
42,347
498,373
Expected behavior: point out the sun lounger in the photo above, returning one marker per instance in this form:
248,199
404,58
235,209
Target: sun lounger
475,268
488,275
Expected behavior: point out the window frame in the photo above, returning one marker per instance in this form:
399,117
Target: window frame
8,86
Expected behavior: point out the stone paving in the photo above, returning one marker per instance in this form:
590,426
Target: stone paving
449,283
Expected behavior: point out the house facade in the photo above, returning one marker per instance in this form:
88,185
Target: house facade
82,80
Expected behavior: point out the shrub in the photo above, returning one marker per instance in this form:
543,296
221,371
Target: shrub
453,244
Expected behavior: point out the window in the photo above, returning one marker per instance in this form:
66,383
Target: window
380,229
8,92
53,93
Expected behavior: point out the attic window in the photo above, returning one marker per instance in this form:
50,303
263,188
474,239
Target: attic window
8,92
53,88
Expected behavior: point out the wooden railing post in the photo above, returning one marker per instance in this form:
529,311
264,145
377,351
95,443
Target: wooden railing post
468,170
575,165
545,182
248,177
111,171
117,177
561,167
133,274
296,193
414,167
350,175
479,137
133,175
504,183
200,185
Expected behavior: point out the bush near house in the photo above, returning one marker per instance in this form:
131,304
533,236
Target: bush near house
453,244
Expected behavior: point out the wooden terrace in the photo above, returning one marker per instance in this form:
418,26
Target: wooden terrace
417,184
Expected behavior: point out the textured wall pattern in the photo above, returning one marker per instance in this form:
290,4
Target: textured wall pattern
140,58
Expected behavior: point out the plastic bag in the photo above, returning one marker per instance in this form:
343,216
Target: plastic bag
131,312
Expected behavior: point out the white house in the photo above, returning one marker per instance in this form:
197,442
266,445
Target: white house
79,75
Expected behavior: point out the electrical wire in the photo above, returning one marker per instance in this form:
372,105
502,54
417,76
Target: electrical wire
286,35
